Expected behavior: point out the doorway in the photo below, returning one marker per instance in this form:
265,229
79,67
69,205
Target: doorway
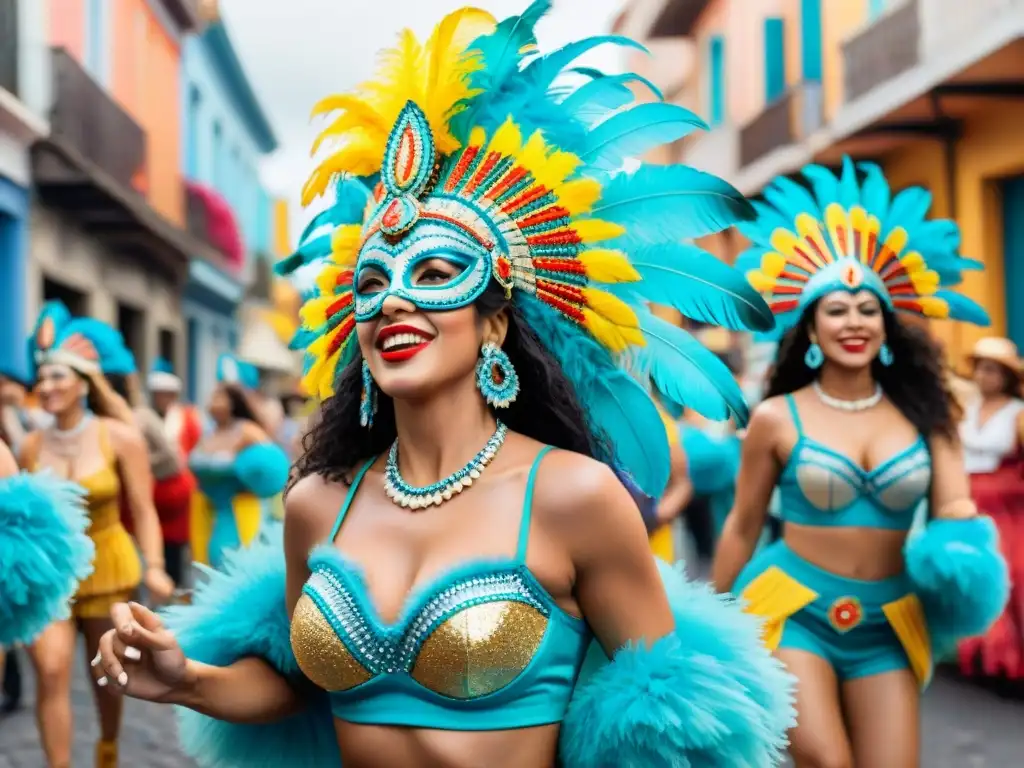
131,324
74,300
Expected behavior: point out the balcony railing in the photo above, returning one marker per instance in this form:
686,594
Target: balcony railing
885,49
9,45
91,122
791,117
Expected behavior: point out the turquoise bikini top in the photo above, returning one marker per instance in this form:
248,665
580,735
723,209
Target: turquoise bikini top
822,487
483,647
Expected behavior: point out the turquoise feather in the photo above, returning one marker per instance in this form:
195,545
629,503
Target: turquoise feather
669,203
543,70
824,184
688,374
622,410
635,132
595,99
908,210
964,309
700,286
874,193
849,189
791,199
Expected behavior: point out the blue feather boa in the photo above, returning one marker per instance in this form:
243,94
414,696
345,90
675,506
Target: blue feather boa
44,553
960,576
263,469
709,695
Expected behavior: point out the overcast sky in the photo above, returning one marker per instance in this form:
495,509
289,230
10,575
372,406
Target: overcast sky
298,51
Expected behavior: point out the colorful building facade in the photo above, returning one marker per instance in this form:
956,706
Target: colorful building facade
108,232
932,90
225,133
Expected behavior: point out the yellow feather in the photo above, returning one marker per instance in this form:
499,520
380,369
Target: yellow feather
610,307
579,195
838,224
859,223
760,282
912,262
361,157
534,155
345,244
807,227
450,68
354,104
595,230
507,140
932,307
773,264
896,240
556,169
785,243
350,123
925,282
477,137
607,266
873,227
611,336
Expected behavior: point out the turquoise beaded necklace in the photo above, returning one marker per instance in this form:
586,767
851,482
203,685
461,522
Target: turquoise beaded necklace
410,497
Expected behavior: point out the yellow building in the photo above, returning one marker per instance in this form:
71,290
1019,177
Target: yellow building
932,90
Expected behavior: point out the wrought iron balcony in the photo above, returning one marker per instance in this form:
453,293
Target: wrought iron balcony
90,122
9,45
791,117
885,49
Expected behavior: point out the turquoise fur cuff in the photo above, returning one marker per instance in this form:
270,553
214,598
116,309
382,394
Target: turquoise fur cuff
263,469
708,696
43,550
961,578
236,613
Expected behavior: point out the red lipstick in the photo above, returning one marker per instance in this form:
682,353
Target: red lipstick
408,342
854,345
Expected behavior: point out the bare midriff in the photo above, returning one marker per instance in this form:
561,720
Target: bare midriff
866,554
382,746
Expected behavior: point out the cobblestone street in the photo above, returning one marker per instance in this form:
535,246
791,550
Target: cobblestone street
964,727
148,738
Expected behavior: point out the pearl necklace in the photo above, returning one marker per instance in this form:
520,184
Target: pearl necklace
411,497
848,405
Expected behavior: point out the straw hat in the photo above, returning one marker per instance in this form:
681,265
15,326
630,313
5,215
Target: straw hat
998,350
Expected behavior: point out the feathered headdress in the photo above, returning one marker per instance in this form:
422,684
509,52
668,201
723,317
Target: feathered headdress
844,234
475,133
232,370
82,343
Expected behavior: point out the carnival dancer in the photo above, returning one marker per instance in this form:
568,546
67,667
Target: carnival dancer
991,433
173,484
856,430
237,467
91,445
467,532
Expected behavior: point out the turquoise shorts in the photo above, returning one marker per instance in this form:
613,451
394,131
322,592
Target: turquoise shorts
860,628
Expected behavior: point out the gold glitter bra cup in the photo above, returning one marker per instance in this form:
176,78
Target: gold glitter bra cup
482,648
822,487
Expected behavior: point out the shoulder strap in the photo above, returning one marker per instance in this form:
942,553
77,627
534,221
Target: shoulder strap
795,413
524,524
349,496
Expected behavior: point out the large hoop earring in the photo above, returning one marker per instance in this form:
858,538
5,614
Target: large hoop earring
496,378
814,357
368,400
885,355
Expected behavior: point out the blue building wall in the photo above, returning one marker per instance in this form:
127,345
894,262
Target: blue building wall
13,278
225,134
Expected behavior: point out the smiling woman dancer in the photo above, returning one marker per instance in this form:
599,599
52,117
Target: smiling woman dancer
468,534
856,431
94,444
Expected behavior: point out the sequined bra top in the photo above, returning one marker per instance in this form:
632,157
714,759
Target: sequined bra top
483,647
822,487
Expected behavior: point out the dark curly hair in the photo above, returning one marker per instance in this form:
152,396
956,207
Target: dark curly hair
547,409
915,382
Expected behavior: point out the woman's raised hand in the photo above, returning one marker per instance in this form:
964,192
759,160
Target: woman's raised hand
139,657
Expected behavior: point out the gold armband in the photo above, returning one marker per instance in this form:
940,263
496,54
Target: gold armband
961,509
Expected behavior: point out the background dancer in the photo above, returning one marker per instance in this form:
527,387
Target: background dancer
92,445
856,430
991,432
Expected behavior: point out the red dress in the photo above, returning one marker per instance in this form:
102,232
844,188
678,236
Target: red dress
1000,494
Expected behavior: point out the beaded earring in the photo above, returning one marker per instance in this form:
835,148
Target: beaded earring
885,355
496,378
368,401
814,357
